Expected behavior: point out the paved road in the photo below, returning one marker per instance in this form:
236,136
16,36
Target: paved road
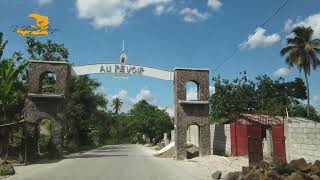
116,162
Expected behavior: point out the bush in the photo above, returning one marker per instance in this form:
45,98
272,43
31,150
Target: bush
6,169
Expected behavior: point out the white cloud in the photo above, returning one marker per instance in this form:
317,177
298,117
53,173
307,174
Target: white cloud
193,15
313,21
214,4
112,13
260,39
146,95
212,90
163,9
44,2
129,101
159,10
281,72
169,110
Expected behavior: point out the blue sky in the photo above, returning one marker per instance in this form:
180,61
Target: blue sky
167,34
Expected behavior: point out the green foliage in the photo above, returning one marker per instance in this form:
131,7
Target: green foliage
117,103
6,169
45,134
12,85
263,95
303,52
149,120
82,107
299,110
49,51
48,83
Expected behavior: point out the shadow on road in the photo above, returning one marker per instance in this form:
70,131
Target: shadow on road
87,155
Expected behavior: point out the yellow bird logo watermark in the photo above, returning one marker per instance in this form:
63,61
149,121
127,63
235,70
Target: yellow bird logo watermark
40,28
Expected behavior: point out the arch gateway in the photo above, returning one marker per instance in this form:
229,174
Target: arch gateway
41,104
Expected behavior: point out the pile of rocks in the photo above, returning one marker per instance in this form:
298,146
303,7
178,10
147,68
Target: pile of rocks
295,170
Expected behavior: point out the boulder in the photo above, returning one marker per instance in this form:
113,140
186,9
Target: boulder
295,176
6,169
233,176
246,170
264,166
284,169
301,164
317,163
254,174
271,174
192,151
315,177
216,175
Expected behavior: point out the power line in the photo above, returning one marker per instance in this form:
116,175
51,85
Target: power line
257,30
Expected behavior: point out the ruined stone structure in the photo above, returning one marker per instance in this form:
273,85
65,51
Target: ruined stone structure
39,105
195,112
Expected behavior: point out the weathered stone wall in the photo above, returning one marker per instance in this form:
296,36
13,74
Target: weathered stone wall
38,68
187,114
303,141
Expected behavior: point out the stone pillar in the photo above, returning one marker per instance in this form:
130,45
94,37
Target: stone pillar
181,142
195,112
165,139
172,136
204,143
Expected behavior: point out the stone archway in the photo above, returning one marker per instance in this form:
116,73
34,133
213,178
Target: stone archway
40,104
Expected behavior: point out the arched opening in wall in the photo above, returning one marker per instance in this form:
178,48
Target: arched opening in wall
45,132
192,91
47,82
193,141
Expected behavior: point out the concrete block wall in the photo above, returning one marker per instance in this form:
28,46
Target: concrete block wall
220,142
220,139
303,141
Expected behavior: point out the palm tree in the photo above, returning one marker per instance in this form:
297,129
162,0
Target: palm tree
302,51
117,103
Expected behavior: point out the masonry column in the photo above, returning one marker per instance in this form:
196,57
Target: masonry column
195,112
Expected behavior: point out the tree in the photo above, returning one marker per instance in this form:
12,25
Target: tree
117,103
231,97
49,51
82,106
263,95
149,120
274,97
10,97
302,51
10,71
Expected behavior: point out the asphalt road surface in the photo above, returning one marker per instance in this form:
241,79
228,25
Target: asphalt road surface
114,162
